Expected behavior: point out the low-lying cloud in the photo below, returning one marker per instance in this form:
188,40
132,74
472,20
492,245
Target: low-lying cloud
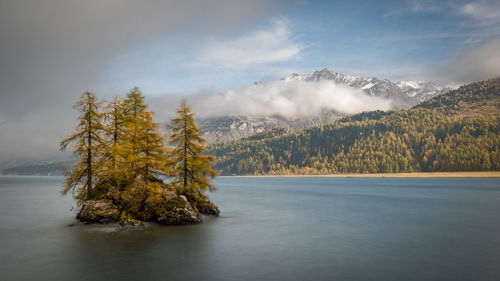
288,99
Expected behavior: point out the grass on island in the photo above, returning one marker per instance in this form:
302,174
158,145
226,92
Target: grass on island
489,174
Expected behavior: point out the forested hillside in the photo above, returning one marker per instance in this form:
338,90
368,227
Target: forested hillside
476,99
445,133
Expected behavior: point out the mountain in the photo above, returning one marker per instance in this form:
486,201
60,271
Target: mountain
457,131
230,128
403,94
53,168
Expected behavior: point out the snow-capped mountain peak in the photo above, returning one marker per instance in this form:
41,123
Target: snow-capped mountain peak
407,92
402,94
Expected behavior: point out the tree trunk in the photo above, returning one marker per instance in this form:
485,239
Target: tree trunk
115,137
185,151
146,168
89,154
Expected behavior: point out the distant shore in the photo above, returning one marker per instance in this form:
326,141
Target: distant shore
489,174
495,174
29,176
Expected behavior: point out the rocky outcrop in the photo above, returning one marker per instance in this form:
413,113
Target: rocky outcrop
208,208
175,210
99,212
178,211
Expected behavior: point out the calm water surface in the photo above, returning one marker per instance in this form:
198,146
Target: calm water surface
270,229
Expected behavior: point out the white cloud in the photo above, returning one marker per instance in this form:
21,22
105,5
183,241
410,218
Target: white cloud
481,12
288,99
484,12
415,6
425,6
259,48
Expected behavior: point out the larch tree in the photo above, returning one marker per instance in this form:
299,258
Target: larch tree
151,150
144,147
143,158
87,142
134,116
190,168
114,135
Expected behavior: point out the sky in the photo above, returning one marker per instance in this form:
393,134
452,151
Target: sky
53,50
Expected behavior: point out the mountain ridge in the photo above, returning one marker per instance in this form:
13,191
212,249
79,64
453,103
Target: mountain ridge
404,94
431,137
420,90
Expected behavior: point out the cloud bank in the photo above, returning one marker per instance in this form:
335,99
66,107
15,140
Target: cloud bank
288,99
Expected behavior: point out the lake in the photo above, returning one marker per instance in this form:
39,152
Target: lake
269,229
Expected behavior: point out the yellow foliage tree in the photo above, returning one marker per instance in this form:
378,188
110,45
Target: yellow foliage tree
88,144
190,168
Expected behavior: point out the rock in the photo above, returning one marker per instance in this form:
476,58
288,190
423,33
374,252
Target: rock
128,222
154,205
208,208
99,212
179,211
164,208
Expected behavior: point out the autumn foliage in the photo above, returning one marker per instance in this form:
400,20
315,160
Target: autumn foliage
124,158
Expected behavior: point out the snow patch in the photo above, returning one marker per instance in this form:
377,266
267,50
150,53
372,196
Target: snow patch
367,86
410,83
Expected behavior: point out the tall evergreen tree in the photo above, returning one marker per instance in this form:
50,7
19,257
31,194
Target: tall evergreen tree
88,142
134,116
190,168
151,160
114,134
144,143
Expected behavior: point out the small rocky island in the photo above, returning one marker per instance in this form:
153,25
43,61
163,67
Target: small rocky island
129,173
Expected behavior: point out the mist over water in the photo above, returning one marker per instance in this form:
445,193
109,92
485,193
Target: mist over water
269,229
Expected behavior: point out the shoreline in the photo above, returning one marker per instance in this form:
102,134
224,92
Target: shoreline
29,176
488,174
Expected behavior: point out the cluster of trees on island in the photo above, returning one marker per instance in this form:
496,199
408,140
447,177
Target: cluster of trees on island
434,136
124,162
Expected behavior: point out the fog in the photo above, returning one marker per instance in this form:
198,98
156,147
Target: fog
287,99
